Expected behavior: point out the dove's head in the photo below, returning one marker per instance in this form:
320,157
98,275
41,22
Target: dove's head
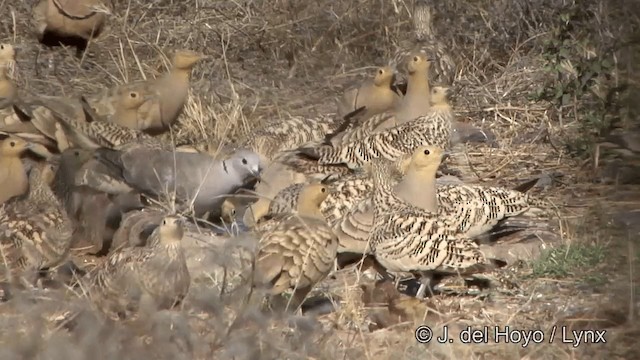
246,163
74,158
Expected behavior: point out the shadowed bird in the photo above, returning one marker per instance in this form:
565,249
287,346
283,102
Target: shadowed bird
298,250
407,238
8,92
374,94
35,231
79,19
8,58
94,213
444,69
144,277
13,178
391,144
416,101
171,89
195,177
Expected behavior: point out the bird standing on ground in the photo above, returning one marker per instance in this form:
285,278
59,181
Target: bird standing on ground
35,231
374,94
123,105
298,250
171,89
145,277
406,238
83,19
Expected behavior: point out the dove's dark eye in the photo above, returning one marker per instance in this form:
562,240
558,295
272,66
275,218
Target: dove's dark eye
427,152
244,161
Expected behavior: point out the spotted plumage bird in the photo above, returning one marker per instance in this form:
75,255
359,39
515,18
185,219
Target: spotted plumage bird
35,231
296,250
146,277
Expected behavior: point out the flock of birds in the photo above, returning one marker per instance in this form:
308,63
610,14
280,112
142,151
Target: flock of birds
362,184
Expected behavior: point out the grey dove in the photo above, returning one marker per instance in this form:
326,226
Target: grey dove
196,178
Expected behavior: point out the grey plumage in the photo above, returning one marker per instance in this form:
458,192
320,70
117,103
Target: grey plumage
194,176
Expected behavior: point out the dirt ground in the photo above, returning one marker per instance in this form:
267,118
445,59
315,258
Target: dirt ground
549,78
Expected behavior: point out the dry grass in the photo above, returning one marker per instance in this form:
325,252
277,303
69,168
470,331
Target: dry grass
270,58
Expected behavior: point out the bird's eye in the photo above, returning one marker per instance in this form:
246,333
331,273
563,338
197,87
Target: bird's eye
133,95
233,211
12,143
427,152
323,190
1,47
164,222
244,161
416,59
380,72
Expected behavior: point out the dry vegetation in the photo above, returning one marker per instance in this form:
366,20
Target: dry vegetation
548,77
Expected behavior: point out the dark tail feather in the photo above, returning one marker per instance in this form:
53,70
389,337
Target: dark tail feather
23,114
524,187
348,120
89,114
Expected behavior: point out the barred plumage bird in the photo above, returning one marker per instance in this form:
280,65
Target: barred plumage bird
405,238
474,210
35,231
390,144
296,250
154,275
444,68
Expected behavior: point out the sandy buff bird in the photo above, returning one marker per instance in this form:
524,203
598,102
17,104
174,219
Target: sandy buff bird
83,19
374,94
298,250
13,178
431,129
171,90
35,232
154,276
407,238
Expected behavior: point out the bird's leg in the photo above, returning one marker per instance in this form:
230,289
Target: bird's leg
425,283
